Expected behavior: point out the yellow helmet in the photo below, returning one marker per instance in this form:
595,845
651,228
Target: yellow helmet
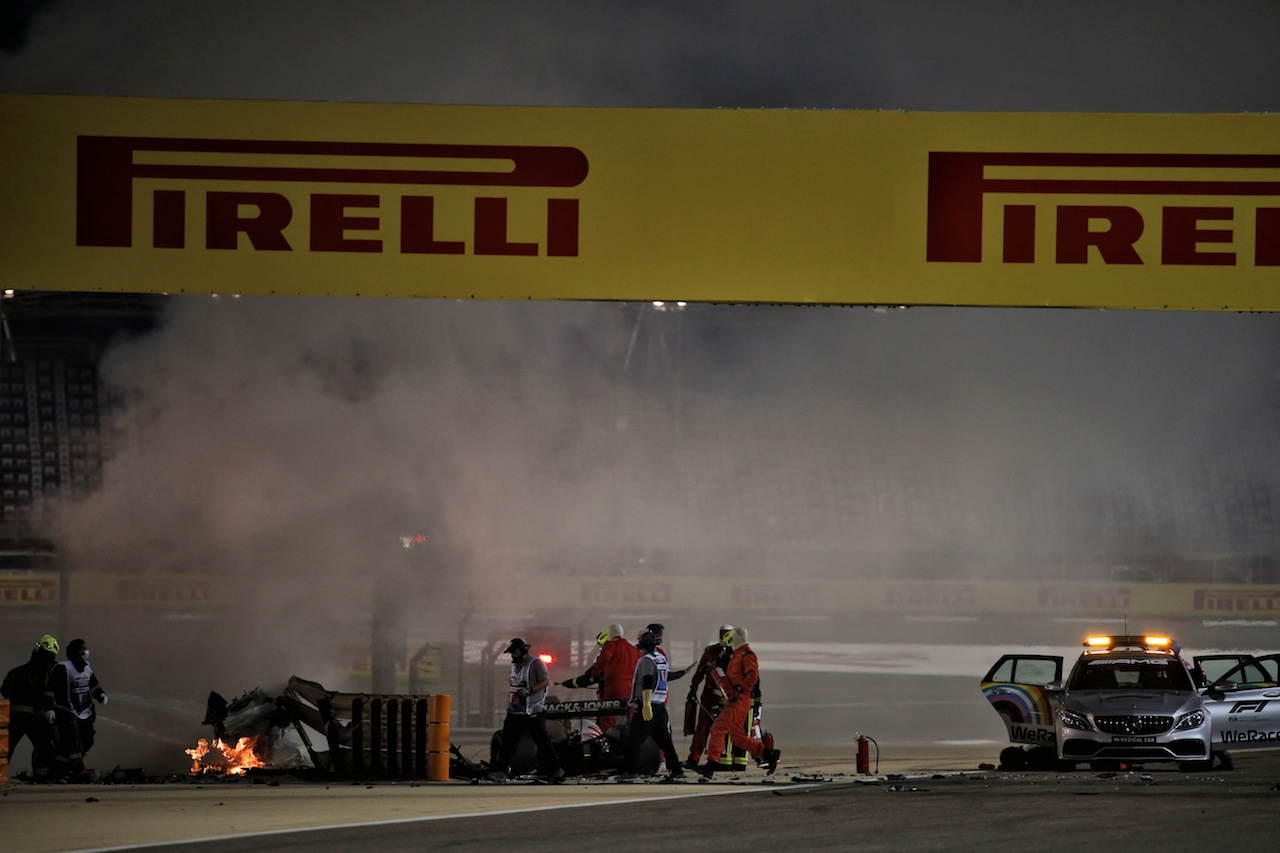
48,643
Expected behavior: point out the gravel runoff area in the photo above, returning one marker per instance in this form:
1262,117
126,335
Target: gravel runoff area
921,796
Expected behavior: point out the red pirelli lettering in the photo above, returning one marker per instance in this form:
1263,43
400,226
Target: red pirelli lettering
107,170
959,183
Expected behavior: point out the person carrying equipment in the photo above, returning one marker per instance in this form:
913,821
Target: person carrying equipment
612,670
742,678
701,712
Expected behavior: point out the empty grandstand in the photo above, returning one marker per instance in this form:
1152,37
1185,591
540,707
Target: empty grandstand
56,418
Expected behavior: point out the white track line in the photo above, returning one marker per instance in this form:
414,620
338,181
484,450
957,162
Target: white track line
426,819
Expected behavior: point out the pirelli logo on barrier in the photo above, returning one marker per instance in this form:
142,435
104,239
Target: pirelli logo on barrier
222,174
20,589
1110,209
1260,600
165,590
622,592
777,595
1073,598
944,596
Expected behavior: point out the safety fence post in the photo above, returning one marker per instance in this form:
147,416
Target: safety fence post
438,709
375,737
406,737
421,736
357,741
392,707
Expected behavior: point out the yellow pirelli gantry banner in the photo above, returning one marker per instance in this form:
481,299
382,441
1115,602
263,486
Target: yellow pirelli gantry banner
267,197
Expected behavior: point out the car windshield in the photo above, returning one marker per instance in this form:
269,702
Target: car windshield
1130,673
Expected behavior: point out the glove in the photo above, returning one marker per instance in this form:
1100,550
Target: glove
646,711
49,717
103,700
522,692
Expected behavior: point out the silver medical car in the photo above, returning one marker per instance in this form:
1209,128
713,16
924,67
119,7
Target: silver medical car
1130,699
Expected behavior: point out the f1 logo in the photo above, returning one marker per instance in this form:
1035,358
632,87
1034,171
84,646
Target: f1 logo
1251,705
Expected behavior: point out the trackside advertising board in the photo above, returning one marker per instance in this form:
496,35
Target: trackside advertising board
263,197
1252,603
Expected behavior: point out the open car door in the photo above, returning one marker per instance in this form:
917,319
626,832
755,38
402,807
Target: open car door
1244,705
1015,688
1270,665
1209,668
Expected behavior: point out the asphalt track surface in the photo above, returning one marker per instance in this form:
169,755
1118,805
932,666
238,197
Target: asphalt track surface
925,797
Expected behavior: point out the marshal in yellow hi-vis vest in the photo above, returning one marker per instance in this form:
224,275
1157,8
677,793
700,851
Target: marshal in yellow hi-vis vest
268,197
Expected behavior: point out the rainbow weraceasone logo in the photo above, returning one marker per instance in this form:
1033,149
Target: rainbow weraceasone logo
220,174
1022,704
1195,209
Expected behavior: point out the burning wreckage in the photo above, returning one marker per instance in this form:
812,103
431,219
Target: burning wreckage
390,736
362,734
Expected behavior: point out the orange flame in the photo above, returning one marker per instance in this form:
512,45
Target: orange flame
219,757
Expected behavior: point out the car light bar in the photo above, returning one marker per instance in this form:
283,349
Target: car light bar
1151,643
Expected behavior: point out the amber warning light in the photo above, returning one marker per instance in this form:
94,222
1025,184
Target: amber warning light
1145,642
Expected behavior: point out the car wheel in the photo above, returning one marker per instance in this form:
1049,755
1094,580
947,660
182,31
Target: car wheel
1041,758
524,759
1013,758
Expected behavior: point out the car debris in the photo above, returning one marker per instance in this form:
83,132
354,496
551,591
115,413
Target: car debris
311,728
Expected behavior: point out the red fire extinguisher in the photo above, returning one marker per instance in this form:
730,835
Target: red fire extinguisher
864,754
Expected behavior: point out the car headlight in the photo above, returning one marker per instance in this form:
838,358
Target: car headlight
1189,721
1072,720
